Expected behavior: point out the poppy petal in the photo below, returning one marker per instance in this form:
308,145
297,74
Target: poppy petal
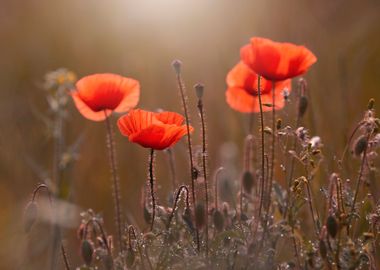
86,111
108,91
149,137
276,61
135,121
170,118
173,134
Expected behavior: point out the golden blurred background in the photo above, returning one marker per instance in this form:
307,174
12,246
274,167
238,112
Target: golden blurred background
140,39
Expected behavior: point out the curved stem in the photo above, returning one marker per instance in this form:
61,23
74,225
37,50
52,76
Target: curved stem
115,178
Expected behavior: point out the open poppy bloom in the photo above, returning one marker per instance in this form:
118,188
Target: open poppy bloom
153,130
97,96
276,61
242,92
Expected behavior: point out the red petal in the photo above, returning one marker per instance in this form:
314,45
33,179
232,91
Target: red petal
277,61
170,118
86,111
108,91
135,121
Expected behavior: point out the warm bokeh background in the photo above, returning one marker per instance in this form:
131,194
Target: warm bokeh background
140,39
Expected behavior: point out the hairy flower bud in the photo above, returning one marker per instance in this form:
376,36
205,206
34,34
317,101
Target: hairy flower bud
199,89
332,226
248,181
177,66
218,220
200,215
360,145
87,251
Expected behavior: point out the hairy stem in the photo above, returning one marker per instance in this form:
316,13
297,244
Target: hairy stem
180,190
204,165
151,181
182,89
262,148
115,180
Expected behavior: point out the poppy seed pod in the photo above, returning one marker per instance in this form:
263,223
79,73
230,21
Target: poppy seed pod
30,216
199,89
87,251
218,220
200,215
177,66
248,181
332,226
360,145
302,105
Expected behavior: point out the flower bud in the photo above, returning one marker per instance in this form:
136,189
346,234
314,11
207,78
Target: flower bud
87,251
332,226
248,181
200,215
218,220
30,216
360,145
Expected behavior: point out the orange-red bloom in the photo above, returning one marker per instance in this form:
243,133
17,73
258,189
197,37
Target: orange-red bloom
97,96
242,92
153,130
276,61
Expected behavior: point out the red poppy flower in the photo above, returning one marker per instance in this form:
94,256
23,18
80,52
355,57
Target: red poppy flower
242,92
153,130
276,61
97,96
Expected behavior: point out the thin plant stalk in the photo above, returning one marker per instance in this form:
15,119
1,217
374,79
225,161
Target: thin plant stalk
204,164
56,175
273,146
182,89
115,180
262,148
151,181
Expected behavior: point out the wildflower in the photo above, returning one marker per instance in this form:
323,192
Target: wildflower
276,61
242,94
152,130
97,96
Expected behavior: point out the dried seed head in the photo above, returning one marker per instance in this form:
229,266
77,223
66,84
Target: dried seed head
248,181
360,145
199,89
332,226
302,105
130,259
371,104
177,66
218,220
200,215
279,123
30,216
87,251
